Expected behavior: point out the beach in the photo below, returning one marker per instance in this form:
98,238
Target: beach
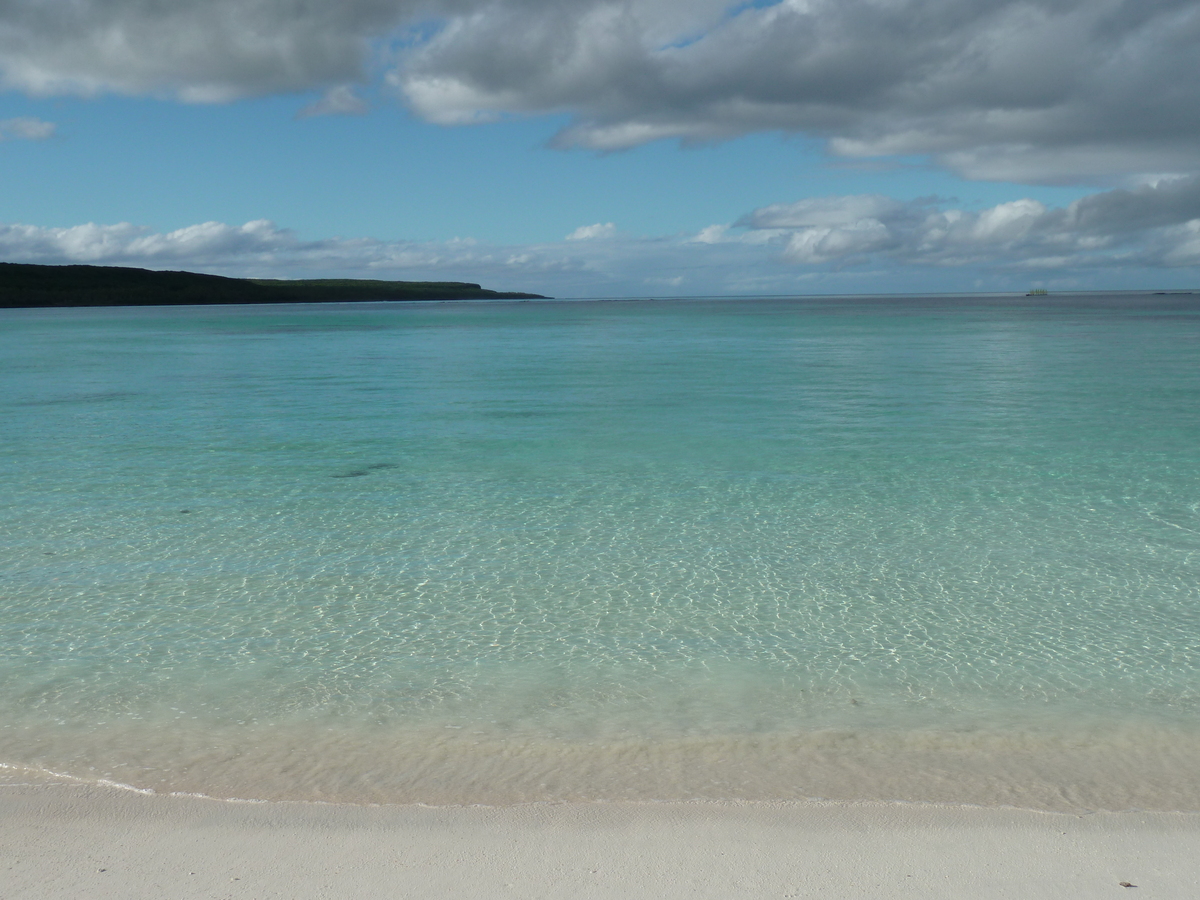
65,840
614,450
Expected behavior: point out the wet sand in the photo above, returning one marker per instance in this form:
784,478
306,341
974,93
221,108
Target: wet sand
65,840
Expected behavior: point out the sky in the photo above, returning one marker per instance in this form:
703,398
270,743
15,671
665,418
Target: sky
590,148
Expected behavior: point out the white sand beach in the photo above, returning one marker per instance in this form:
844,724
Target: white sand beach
69,840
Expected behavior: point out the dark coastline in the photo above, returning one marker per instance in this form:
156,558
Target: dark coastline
31,286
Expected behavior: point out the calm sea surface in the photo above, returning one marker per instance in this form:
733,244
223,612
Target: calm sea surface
920,549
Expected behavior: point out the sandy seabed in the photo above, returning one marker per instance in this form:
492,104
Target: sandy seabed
62,839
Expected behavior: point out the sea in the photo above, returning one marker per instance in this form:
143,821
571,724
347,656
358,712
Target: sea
935,549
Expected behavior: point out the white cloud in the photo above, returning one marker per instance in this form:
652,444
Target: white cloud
713,234
818,245
1185,245
199,52
337,101
599,231
1008,221
26,128
815,212
127,243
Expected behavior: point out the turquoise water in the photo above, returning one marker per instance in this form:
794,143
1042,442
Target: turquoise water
899,548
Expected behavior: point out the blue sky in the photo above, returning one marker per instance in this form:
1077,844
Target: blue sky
611,149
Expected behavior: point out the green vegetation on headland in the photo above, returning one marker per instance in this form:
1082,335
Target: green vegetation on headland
23,285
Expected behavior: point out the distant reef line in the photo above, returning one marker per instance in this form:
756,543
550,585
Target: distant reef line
26,286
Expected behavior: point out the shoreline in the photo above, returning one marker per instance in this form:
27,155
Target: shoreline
1132,765
71,840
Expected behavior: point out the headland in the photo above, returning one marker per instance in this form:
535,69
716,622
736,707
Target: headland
30,286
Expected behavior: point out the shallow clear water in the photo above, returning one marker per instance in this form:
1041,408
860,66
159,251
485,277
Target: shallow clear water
896,548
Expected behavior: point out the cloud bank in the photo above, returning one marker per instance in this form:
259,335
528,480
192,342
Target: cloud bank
1153,225
1021,90
1037,90
816,244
